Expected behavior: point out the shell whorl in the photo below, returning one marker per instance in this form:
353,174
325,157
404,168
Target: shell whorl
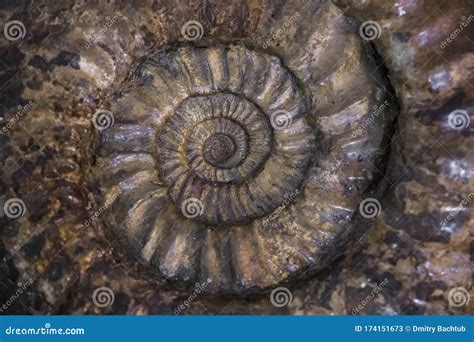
220,148
220,145
214,171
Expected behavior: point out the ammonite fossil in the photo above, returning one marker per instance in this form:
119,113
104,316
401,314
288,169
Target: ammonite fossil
227,164
146,146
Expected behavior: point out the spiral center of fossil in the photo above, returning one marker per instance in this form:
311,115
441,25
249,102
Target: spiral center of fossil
218,149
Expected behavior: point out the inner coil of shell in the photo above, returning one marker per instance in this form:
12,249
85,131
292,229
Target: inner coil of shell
220,148
210,170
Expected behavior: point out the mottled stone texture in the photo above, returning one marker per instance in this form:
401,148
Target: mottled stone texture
76,58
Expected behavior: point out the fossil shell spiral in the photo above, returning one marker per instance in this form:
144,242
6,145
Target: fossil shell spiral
223,165
221,149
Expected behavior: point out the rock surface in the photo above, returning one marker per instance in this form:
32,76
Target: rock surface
74,58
